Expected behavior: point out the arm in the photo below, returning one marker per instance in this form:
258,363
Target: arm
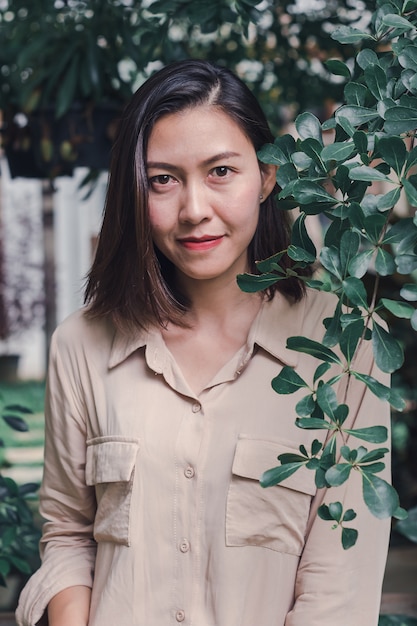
67,504
70,607
336,586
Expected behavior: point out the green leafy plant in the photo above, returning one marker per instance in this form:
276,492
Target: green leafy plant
19,534
60,60
327,171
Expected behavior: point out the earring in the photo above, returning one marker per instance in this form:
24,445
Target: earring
261,197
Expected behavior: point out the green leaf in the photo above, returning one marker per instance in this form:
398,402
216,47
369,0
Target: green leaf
67,87
17,423
406,263
350,339
333,327
373,227
394,152
305,406
338,68
291,457
20,408
367,173
271,153
409,292
338,474
330,259
356,115
361,141
356,94
312,423
327,400
349,537
349,246
349,515
397,22
400,119
348,34
300,254
410,192
321,370
389,355
355,291
376,80
252,283
373,434
300,236
20,564
389,200
277,474
408,527
367,57
384,262
360,263
338,151
285,174
411,159
399,309
288,381
314,348
4,567
414,320
380,390
306,192
373,455
308,125
336,511
380,497
324,513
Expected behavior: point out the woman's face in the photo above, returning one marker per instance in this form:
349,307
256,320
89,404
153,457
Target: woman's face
205,186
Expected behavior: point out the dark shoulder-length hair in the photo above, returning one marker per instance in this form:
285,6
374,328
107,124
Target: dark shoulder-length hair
130,279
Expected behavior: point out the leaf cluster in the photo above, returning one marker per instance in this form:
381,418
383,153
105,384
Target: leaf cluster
19,535
352,170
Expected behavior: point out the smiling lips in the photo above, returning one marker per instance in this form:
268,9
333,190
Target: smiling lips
201,243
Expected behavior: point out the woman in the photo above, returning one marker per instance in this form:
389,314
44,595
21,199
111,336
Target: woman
160,413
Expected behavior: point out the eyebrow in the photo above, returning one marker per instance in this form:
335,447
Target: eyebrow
210,161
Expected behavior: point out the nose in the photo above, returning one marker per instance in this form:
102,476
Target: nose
195,203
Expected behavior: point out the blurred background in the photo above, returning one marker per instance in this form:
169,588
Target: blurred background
66,70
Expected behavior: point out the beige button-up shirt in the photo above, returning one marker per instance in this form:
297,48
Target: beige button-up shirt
152,497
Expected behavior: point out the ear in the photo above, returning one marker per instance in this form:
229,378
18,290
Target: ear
268,176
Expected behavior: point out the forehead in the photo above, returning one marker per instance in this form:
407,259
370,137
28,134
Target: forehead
202,128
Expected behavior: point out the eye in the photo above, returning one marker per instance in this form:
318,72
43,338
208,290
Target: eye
221,171
161,179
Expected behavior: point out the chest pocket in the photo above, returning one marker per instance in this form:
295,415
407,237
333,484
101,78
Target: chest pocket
275,517
110,468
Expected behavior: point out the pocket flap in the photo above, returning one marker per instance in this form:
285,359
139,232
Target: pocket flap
110,459
254,456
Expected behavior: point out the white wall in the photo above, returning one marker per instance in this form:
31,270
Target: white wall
76,222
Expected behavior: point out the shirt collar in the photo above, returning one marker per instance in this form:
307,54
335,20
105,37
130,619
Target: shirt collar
277,320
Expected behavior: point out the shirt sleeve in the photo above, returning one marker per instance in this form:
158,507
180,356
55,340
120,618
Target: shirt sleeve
333,585
67,504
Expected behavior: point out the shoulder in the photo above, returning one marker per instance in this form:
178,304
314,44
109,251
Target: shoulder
79,332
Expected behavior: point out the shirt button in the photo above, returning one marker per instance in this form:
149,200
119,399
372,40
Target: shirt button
196,407
184,545
180,616
189,472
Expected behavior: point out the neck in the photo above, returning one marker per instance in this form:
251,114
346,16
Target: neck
217,300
